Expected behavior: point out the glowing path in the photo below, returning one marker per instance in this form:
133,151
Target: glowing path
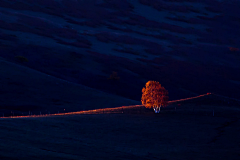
94,111
189,98
101,111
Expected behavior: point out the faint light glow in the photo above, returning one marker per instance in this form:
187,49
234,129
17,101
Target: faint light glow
99,111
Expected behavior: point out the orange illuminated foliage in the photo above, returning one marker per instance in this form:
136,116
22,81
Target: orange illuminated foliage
154,95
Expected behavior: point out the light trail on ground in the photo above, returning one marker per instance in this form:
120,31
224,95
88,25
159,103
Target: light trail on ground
102,110
185,99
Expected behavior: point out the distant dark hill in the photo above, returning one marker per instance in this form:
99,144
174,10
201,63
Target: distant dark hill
24,90
191,47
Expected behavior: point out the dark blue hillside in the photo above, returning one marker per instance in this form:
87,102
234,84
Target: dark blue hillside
191,47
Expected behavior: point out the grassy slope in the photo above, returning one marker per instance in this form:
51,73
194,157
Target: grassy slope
68,40
181,43
185,134
24,89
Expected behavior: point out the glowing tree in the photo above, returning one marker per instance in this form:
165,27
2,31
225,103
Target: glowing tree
154,96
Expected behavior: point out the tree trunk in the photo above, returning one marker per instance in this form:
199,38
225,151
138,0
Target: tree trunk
156,109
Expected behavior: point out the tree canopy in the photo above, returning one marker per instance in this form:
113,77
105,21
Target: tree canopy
154,96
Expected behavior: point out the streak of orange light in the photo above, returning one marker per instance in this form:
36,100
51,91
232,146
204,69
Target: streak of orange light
99,110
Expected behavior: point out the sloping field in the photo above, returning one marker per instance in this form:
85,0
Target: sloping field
181,134
201,99
58,55
191,47
24,90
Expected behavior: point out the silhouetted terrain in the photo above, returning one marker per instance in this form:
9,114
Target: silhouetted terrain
183,44
25,90
181,134
74,55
